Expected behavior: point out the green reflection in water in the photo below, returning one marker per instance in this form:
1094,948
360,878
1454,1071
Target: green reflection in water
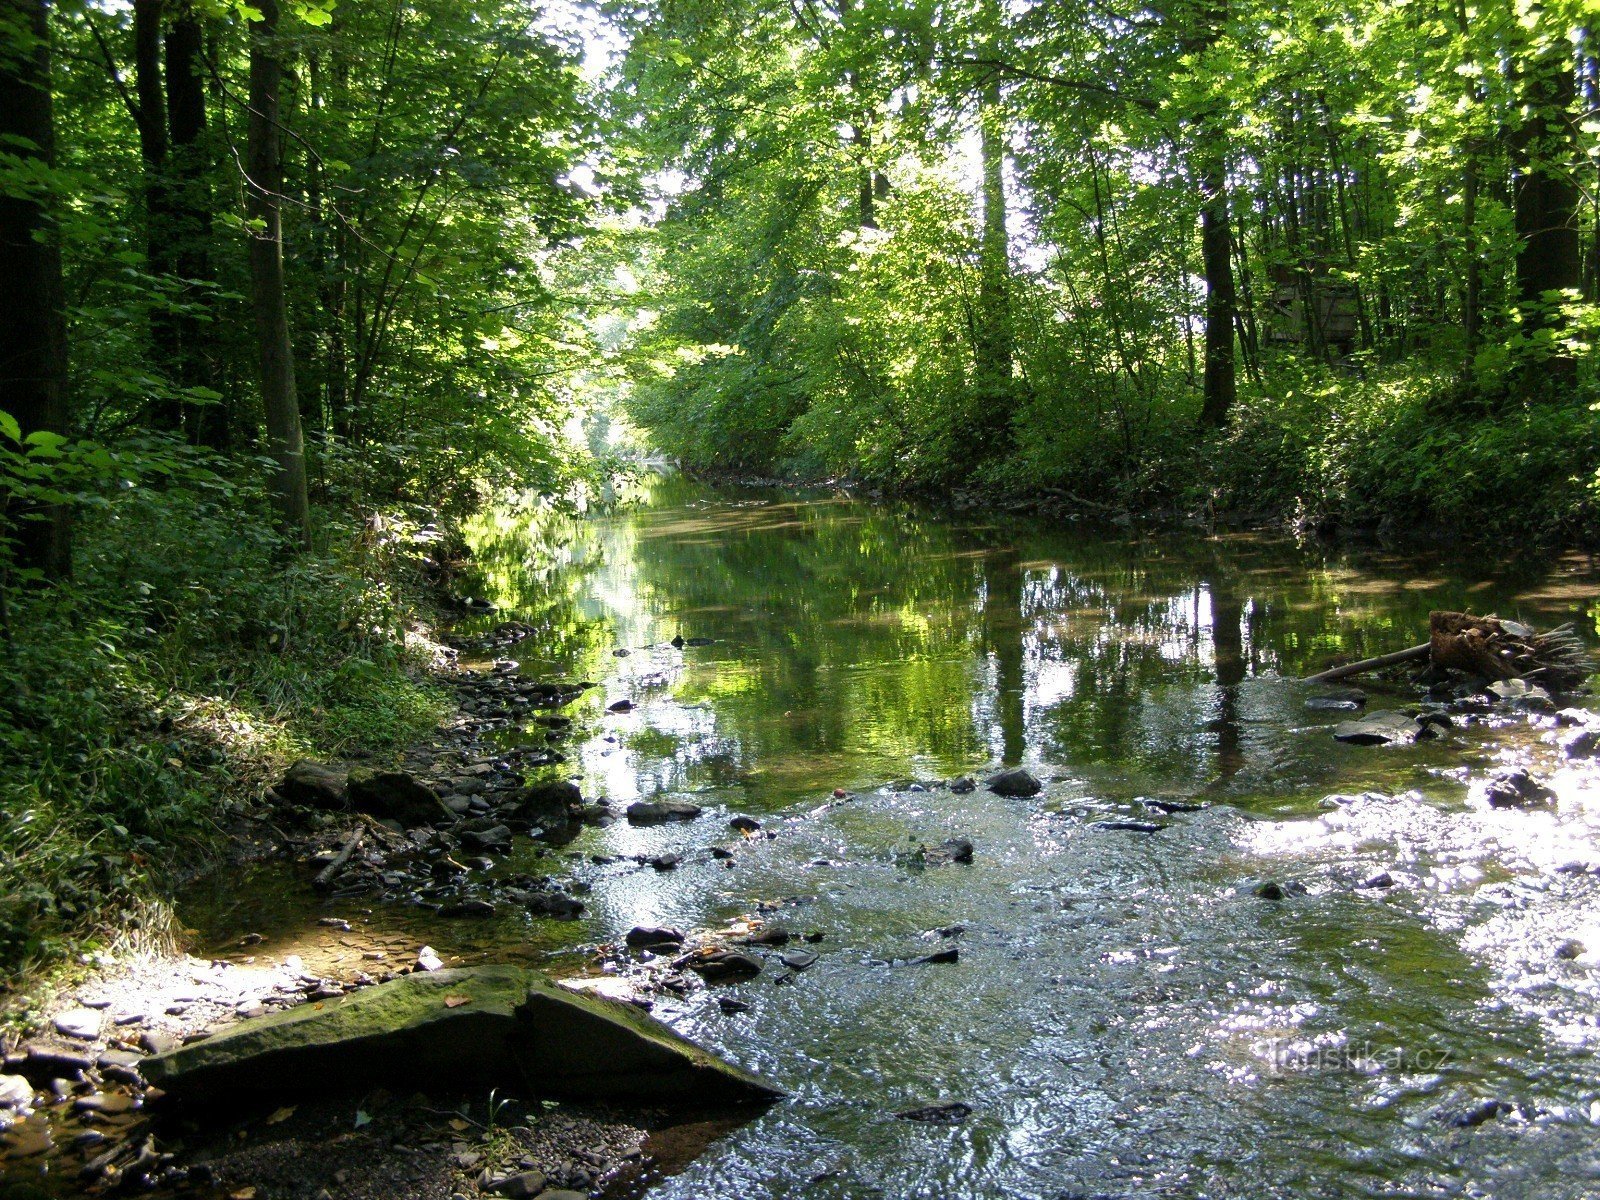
856,642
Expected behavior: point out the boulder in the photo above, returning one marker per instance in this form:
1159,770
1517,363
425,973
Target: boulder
1015,782
654,812
550,804
314,784
396,796
469,1027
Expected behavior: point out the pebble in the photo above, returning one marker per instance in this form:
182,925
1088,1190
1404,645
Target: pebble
15,1092
82,1023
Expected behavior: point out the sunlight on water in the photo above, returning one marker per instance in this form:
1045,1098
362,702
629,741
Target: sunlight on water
1128,1016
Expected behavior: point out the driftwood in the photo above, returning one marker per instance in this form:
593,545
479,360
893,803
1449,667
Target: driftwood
1370,664
1489,648
325,876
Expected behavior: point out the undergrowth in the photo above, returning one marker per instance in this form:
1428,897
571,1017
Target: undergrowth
143,706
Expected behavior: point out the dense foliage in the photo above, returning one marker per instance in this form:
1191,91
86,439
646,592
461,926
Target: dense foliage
1338,259
293,292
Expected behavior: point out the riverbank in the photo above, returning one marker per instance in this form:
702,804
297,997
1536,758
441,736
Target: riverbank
1326,456
150,703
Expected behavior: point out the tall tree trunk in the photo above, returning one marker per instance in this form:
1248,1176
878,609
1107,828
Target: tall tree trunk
1545,197
158,231
993,346
1221,376
1472,287
33,335
189,198
263,193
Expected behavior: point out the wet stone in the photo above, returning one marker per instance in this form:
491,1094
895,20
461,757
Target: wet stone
1516,788
718,966
946,1112
82,1023
1382,728
1130,826
15,1092
653,935
1016,783
655,812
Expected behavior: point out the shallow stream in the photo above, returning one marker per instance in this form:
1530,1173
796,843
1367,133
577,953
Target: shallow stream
1127,1016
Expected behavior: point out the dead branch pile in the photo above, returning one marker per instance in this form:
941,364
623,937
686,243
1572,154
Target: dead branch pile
1489,648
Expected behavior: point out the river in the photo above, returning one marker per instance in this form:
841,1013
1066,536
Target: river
1127,1017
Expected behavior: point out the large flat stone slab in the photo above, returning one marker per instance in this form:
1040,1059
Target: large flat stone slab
496,1026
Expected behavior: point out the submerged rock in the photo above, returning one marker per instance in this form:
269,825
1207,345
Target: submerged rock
654,812
458,1029
1131,826
945,1113
1383,728
1016,782
955,850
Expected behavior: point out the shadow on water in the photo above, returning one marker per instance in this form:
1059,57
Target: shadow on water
1126,1017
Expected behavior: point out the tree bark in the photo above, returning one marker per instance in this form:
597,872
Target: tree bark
1221,375
189,198
151,118
263,192
33,335
1545,198
994,346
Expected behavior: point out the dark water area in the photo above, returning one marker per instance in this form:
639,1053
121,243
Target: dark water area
1127,1016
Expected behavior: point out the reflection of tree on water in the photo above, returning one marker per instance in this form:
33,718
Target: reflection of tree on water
1003,632
858,638
1227,643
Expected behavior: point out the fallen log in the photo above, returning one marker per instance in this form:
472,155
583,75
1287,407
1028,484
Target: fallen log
325,876
1488,648
1413,654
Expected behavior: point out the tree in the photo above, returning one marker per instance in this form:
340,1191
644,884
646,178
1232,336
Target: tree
268,300
1546,195
33,345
